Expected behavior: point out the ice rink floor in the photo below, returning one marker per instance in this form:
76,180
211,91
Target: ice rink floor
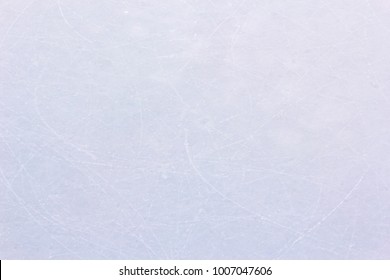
195,129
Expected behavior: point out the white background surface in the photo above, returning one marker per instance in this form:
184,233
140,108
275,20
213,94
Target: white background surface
194,129
280,269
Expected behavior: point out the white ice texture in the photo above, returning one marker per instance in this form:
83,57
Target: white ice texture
194,129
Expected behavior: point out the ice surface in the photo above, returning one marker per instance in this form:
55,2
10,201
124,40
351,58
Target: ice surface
191,129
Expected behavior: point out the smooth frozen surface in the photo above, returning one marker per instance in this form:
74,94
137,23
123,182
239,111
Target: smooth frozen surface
195,129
